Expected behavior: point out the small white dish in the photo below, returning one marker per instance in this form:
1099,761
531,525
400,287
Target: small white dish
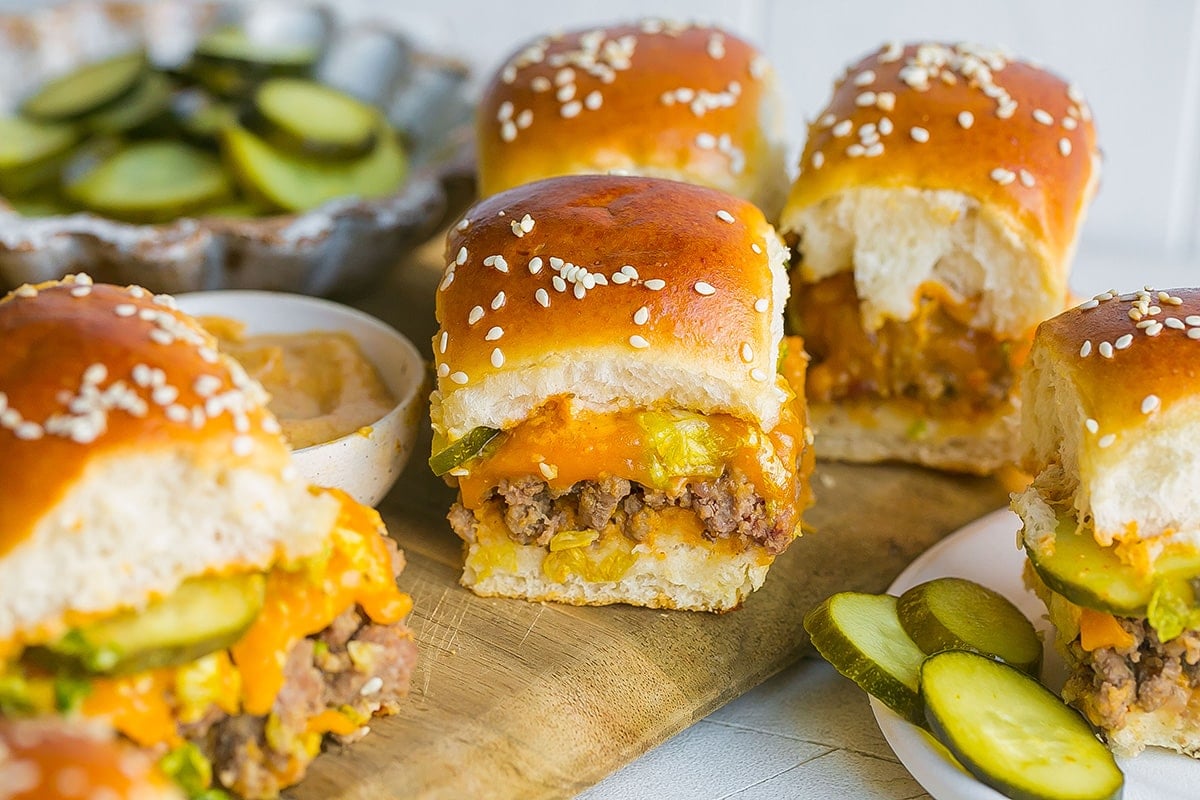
985,551
364,463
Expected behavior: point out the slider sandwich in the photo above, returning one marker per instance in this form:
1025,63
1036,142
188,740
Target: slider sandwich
934,221
665,99
608,402
163,570
1111,522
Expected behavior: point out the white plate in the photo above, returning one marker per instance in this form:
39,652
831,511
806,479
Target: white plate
985,551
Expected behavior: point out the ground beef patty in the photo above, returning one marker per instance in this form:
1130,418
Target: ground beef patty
353,664
728,506
1142,677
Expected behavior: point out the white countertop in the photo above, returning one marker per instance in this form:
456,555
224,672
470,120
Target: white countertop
806,733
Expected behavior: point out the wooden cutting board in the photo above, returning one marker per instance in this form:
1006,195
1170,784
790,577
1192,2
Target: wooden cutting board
536,700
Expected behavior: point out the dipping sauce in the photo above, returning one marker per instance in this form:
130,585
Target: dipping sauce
321,384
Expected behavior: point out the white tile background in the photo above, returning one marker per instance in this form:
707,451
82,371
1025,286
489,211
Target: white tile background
1139,64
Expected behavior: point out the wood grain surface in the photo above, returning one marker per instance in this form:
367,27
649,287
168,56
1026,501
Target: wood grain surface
537,700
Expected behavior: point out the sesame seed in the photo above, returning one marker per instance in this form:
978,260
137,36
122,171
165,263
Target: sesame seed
159,336
1193,333
827,120
498,301
1043,116
886,127
747,352
1150,404
535,265
25,290
629,271
1192,319
1123,342
641,316
571,109
542,297
458,377
1026,178
447,280
593,100
919,134
508,131
565,93
865,99
579,290
1106,349
242,445
874,150
96,373
81,291
559,284
886,101
1069,123
706,141
164,395
758,375
1064,146
704,288
655,284
855,150
818,160
541,83
443,341
564,75
864,78
494,333
966,119
1089,304
757,250
443,370
1086,350
1003,176
549,471
1092,425
639,342
28,431
1174,322
1106,440
462,256
842,128
177,413
125,310
475,315
525,119
724,216
497,358
761,305
463,224
1154,328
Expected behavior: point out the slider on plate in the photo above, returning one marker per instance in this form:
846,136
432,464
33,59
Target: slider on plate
608,402
163,568
934,221
664,99
1111,522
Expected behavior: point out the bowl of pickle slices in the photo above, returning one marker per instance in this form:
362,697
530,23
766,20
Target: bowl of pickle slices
190,146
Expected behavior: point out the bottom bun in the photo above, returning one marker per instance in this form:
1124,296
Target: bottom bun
674,567
869,432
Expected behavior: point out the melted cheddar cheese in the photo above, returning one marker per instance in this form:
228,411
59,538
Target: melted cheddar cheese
563,448
301,599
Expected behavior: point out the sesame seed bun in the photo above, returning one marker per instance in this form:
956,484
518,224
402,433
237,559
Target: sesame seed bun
51,759
136,456
1110,406
680,305
949,174
670,100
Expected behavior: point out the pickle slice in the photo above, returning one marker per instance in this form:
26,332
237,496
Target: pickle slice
958,614
308,119
32,152
1014,734
150,99
290,183
201,616
231,63
468,447
152,182
86,90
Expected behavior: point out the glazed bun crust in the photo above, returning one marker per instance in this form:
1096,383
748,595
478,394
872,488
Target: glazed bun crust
680,305
691,103
1111,394
53,334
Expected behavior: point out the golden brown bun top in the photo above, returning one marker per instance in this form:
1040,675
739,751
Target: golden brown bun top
1014,136
1129,356
88,371
53,759
616,276
656,98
